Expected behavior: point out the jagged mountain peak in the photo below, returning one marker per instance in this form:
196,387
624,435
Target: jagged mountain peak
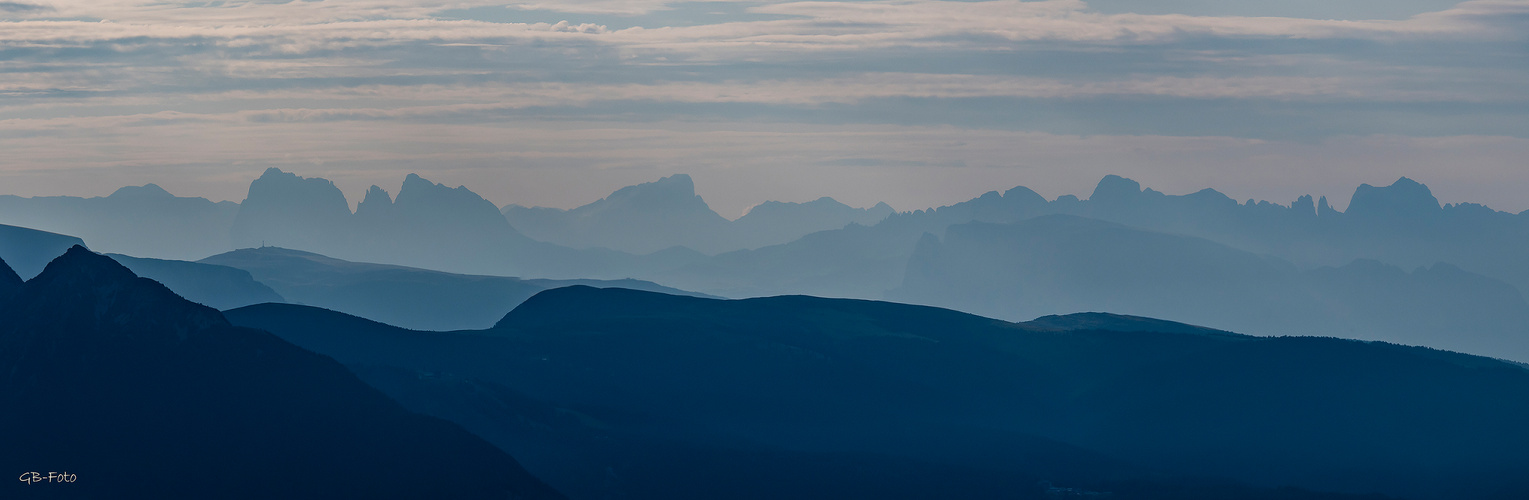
276,186
378,195
1403,197
376,202
416,188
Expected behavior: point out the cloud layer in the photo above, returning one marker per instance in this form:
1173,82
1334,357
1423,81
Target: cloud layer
200,92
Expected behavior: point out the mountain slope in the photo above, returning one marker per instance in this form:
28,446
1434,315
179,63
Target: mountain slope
28,250
396,295
142,394
10,283
218,287
1051,400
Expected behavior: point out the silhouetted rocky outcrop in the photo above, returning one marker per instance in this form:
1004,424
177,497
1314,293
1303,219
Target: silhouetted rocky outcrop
138,393
428,225
285,210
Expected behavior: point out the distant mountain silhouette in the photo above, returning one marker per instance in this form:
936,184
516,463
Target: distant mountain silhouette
856,261
218,287
1063,263
667,213
451,229
135,220
30,250
403,296
429,226
1401,224
640,219
285,210
775,222
647,389
141,394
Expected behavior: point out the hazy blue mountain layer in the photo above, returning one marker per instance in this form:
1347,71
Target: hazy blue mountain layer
666,213
28,250
856,261
1064,263
639,219
775,222
397,295
218,287
452,229
134,220
1401,224
620,393
138,393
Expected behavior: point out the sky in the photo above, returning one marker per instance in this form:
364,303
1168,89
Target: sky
917,103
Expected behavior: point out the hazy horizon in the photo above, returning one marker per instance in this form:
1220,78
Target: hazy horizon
354,194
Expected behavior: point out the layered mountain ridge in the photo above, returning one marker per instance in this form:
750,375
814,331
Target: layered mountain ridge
631,392
141,394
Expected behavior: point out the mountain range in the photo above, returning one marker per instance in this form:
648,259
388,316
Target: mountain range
130,391
136,220
1396,265
613,393
398,295
649,217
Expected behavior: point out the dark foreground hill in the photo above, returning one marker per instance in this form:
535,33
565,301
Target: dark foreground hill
625,394
138,393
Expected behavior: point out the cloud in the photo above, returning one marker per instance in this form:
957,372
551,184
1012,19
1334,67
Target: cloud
19,7
133,83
